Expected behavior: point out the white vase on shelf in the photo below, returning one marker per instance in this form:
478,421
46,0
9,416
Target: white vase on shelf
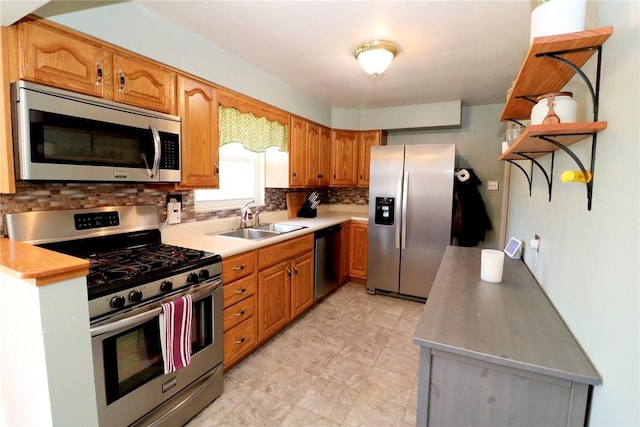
558,17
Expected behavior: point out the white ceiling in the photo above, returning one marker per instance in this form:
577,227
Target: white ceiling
469,50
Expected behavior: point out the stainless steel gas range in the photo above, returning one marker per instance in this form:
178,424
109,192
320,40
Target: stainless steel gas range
132,273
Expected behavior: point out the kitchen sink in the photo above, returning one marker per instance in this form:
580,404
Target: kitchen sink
278,228
260,232
248,233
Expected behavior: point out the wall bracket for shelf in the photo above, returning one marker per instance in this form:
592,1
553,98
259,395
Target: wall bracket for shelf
595,92
594,138
548,176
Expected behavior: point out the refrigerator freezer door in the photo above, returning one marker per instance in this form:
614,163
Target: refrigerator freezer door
429,173
384,236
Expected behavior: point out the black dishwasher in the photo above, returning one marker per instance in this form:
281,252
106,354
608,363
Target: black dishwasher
327,260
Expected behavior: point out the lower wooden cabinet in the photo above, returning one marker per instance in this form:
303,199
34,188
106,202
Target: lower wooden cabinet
301,284
345,253
285,283
238,342
274,296
239,302
359,248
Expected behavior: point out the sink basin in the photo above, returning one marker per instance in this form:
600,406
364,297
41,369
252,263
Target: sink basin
278,228
249,233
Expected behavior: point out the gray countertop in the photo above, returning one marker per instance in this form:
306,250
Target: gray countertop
510,323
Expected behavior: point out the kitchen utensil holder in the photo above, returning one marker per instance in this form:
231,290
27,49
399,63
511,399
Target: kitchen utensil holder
306,211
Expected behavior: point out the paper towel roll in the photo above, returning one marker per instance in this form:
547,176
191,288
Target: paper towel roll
491,265
558,17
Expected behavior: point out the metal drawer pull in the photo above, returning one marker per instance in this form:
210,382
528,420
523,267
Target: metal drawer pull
240,313
240,268
240,341
241,291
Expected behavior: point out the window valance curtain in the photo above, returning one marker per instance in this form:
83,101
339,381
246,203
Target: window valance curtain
255,134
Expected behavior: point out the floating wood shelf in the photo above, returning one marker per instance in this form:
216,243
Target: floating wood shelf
531,143
539,76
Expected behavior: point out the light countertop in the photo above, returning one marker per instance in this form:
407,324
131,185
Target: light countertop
204,235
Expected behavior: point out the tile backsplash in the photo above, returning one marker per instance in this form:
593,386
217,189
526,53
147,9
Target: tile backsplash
46,196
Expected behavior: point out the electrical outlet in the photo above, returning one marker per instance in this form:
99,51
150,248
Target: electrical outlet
492,186
535,242
174,210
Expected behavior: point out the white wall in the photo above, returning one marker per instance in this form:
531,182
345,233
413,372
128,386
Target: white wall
588,261
477,147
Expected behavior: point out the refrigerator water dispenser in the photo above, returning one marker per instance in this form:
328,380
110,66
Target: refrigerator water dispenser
384,210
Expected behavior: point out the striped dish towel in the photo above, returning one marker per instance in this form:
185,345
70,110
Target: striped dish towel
175,333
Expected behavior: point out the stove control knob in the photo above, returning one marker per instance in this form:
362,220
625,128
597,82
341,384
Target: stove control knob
135,296
192,278
117,302
204,274
166,286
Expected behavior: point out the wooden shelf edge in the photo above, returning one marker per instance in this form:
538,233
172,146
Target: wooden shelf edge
559,42
566,133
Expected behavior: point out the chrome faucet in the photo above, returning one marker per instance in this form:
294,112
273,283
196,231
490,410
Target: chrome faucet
244,214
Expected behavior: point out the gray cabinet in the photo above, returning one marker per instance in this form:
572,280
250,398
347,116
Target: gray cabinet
497,353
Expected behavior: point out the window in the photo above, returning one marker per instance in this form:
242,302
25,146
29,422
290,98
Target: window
241,180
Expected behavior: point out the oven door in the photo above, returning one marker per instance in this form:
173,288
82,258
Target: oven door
128,366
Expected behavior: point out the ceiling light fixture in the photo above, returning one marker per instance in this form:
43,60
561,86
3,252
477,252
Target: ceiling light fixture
375,56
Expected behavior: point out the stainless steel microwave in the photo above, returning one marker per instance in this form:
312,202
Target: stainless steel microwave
65,136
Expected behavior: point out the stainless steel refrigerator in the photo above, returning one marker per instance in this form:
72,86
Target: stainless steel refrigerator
410,208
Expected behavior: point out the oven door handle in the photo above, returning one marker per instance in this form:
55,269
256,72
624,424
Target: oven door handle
127,322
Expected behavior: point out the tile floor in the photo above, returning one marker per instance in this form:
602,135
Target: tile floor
348,361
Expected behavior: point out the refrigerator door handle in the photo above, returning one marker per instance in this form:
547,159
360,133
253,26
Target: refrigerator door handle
398,198
405,197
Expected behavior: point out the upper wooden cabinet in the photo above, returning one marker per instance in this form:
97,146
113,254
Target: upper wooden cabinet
366,140
59,59
198,108
48,54
350,157
343,158
143,84
317,155
297,148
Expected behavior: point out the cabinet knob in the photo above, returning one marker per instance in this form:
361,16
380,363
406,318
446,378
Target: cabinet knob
240,313
294,173
122,81
240,291
99,79
216,169
288,272
240,341
240,267
295,269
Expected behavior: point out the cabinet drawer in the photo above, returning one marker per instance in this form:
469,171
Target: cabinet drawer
238,312
285,250
238,290
238,266
239,341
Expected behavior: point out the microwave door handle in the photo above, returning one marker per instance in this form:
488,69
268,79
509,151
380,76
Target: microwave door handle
157,145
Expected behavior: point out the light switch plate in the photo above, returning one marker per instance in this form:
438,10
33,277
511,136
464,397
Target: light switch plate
492,186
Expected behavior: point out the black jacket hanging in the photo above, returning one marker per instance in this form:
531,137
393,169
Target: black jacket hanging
471,221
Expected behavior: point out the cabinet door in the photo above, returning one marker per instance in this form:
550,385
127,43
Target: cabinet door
143,84
345,253
198,108
366,140
297,152
274,299
359,244
61,60
324,156
301,284
312,145
343,159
